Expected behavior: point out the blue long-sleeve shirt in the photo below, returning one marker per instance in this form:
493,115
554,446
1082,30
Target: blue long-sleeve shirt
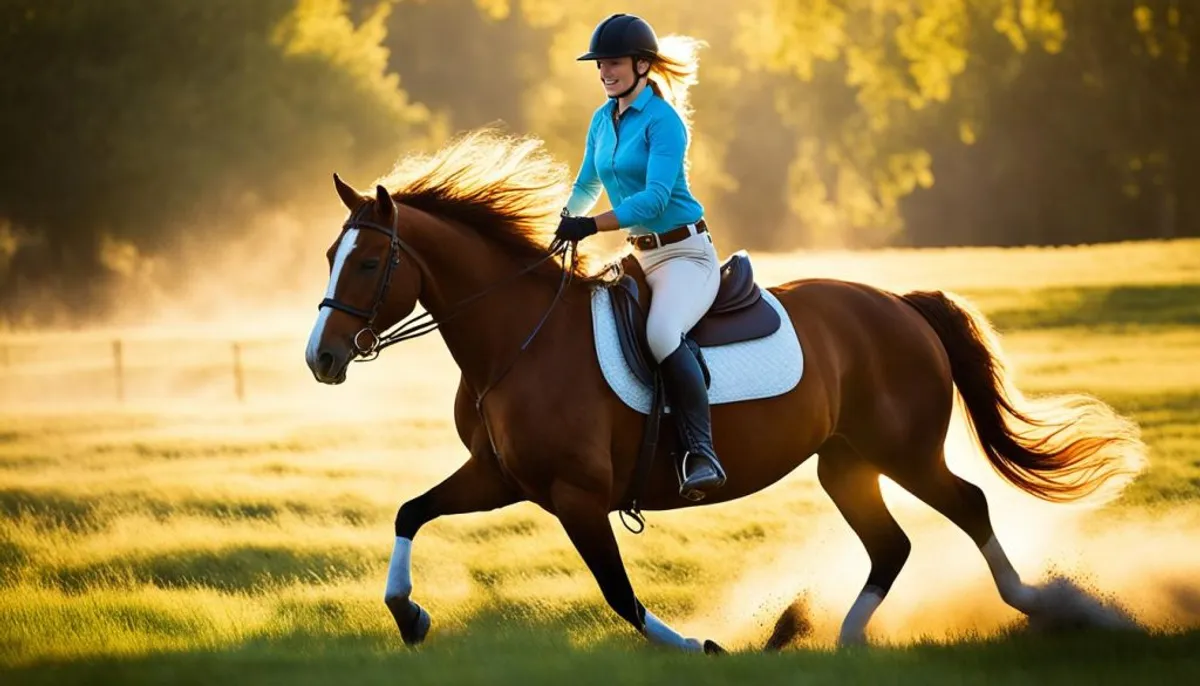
639,161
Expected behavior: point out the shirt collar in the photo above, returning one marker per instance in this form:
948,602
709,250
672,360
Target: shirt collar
639,102
644,97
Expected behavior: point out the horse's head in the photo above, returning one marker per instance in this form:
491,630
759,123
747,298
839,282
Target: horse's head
373,284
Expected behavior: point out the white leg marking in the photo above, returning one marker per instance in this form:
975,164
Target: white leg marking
346,246
1014,592
854,628
399,578
662,634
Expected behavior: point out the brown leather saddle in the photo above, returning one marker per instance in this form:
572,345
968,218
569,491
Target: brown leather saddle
739,313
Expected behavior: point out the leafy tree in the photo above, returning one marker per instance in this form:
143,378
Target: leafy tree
125,120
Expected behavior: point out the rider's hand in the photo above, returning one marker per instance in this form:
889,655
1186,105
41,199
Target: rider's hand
575,228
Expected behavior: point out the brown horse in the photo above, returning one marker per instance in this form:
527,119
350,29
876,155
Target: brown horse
463,233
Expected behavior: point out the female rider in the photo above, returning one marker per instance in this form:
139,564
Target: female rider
636,148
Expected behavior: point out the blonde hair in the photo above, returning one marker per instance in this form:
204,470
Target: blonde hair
674,72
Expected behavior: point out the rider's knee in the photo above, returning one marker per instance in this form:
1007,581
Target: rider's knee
663,338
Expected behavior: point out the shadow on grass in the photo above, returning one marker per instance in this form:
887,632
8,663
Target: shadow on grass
50,510
234,568
1103,308
1168,422
12,559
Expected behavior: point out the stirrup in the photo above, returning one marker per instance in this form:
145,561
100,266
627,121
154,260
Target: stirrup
696,490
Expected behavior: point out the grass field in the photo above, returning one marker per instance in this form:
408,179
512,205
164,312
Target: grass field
185,538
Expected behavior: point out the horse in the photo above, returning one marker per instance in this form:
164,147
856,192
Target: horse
465,233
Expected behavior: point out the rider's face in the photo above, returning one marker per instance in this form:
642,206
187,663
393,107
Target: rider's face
617,74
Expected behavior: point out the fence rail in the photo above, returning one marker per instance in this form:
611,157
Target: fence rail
35,367
103,370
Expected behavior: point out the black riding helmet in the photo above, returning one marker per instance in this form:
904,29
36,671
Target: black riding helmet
623,35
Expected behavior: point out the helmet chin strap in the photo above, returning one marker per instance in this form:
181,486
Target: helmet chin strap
637,78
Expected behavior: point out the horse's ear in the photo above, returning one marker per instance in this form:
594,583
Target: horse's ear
350,197
387,208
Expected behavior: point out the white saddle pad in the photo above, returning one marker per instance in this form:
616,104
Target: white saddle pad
746,370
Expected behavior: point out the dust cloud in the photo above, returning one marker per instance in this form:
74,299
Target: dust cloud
1112,568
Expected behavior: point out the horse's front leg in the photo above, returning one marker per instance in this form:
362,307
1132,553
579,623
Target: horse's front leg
476,486
584,515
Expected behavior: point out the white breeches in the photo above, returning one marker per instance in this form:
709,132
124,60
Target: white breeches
683,280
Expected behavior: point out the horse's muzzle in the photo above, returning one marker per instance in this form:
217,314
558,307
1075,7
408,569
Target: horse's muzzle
329,368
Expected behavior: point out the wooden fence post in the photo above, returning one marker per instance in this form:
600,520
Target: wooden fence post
239,380
119,370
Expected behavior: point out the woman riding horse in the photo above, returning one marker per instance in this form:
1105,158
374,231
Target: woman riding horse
636,147
463,233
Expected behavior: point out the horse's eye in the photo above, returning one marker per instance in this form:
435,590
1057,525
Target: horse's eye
370,263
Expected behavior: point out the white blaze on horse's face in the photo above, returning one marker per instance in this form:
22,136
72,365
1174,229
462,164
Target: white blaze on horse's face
346,246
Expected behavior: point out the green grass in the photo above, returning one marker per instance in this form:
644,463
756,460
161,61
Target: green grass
195,542
1124,309
497,651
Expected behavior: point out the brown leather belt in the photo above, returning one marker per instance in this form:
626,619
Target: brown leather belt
650,241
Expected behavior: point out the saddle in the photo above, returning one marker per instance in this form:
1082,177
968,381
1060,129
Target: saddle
738,313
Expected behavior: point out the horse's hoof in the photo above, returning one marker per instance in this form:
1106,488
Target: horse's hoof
415,631
711,648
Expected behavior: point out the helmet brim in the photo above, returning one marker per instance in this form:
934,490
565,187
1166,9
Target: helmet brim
587,56
599,56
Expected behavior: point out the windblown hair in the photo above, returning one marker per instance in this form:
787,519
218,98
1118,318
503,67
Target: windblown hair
506,188
674,72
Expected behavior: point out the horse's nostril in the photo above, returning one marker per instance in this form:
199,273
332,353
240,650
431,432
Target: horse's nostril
325,362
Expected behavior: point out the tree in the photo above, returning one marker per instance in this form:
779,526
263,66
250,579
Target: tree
149,118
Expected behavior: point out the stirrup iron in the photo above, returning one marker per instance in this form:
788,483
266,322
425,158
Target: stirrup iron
698,491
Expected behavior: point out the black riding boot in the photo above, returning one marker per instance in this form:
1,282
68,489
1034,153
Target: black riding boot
683,381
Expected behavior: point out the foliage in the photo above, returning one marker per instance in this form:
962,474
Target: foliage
126,122
864,123
845,123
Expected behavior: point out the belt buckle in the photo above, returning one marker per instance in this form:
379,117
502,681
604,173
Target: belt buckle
647,241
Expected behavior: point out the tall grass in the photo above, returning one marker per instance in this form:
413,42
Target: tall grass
205,540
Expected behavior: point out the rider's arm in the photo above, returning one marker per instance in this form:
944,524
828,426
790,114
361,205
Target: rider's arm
587,187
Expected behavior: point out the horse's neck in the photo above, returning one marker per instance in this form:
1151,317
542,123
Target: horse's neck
484,335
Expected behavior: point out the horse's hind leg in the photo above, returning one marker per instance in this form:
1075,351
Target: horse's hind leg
963,503
853,485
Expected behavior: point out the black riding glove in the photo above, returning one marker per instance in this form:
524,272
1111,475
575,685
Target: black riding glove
575,228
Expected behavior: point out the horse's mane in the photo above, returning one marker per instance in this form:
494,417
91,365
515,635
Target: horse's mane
506,188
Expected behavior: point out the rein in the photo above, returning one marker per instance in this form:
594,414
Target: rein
414,327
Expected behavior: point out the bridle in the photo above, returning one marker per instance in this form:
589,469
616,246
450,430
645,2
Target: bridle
414,326
395,248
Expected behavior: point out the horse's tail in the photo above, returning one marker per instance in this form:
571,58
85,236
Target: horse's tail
1059,448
